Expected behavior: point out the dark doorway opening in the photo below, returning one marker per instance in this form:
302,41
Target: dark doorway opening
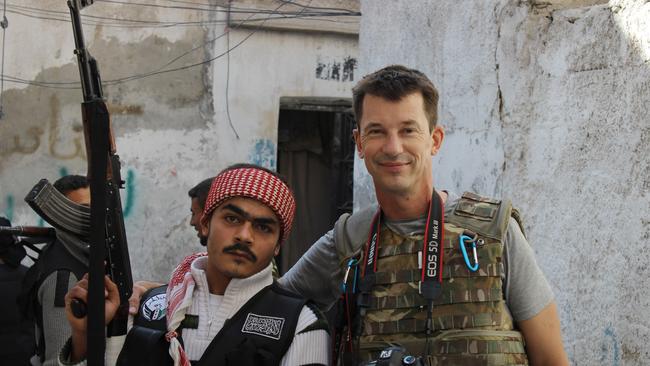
316,155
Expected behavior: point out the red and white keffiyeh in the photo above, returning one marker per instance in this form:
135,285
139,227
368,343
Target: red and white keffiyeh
179,299
257,184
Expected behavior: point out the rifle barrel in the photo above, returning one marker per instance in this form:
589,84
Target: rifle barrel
31,231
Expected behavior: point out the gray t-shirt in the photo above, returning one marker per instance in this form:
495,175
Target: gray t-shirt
318,274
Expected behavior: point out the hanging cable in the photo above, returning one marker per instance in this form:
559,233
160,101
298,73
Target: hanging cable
227,31
271,14
4,23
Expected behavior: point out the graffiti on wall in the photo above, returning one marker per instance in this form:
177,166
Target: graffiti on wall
336,69
610,353
263,154
24,146
129,197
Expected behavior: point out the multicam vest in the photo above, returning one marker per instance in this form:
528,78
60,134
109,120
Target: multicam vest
471,322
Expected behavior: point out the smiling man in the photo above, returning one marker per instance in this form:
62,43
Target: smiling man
221,307
449,279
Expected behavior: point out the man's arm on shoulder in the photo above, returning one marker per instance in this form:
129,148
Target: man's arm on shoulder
311,343
316,275
530,300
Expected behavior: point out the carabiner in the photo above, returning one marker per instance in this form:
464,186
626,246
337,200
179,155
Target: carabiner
351,263
463,239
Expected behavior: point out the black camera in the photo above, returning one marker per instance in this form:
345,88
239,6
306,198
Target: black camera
395,356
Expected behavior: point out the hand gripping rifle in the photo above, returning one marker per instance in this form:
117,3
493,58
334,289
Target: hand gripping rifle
108,247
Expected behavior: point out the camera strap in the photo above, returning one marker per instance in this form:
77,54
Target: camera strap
432,253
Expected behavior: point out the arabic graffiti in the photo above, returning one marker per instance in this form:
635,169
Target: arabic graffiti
337,70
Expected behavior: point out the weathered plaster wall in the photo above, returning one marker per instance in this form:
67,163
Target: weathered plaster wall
171,129
545,104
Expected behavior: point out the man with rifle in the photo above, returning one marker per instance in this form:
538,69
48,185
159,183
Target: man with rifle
224,304
60,264
107,238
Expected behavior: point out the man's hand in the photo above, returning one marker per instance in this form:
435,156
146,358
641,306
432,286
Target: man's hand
139,288
78,325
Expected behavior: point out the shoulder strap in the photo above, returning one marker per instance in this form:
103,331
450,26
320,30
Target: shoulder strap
260,333
486,216
517,216
61,287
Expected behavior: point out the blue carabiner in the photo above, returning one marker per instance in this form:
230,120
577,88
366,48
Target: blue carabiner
351,263
471,267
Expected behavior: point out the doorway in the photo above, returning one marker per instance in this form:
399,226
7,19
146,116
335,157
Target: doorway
316,155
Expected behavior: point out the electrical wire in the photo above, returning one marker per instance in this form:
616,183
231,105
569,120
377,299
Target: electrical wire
233,9
232,126
94,20
273,14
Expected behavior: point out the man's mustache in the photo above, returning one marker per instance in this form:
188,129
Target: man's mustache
241,248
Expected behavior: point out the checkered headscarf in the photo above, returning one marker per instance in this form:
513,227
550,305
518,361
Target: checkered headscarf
257,184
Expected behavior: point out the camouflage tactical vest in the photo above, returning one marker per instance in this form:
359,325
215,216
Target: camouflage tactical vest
471,322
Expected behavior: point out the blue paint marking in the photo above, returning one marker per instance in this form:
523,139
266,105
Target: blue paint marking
9,211
263,154
130,193
610,349
63,171
41,222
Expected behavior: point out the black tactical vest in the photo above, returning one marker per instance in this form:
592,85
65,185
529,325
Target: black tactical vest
259,334
16,332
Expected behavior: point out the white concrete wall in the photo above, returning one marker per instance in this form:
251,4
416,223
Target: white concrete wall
547,105
171,129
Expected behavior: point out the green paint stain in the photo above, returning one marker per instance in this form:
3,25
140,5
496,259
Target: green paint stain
63,171
130,193
9,211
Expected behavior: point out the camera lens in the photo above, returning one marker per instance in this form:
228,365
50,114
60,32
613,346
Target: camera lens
408,360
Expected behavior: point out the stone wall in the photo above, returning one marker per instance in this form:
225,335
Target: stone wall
545,103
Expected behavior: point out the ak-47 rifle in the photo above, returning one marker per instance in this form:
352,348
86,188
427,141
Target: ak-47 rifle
108,247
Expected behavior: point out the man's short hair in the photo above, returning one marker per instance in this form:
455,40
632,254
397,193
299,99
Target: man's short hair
70,183
200,191
393,83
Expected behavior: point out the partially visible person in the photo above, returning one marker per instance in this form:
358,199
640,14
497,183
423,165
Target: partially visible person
16,332
60,265
198,195
224,304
